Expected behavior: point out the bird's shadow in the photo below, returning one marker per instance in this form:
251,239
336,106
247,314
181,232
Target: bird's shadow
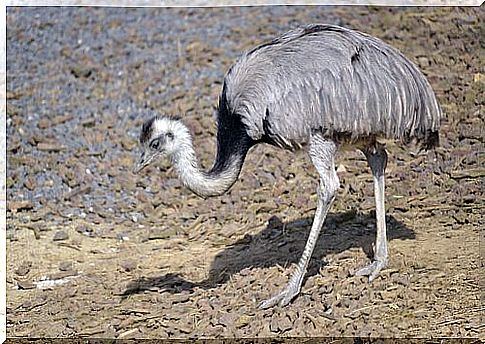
281,244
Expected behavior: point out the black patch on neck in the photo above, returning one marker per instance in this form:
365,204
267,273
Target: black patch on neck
147,130
233,142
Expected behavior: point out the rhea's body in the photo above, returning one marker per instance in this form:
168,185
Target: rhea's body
329,79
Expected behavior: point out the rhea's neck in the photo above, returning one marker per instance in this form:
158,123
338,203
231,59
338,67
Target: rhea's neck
215,182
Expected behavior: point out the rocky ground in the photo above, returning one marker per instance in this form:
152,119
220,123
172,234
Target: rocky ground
95,251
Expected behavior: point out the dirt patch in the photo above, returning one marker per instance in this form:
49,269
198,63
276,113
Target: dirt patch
94,251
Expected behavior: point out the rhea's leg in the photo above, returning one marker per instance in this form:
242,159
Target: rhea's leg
322,153
377,159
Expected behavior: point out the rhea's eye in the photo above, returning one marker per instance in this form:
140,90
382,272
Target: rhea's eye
169,135
155,144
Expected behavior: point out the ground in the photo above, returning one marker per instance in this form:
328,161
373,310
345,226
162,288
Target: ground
96,251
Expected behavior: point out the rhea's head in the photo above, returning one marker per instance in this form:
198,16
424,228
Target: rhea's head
160,137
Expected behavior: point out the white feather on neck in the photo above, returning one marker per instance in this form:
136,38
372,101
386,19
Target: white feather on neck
184,159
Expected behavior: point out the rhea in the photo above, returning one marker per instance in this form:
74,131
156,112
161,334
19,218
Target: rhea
316,87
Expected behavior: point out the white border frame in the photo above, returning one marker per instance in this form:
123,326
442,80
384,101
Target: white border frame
133,3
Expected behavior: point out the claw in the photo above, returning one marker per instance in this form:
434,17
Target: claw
270,302
371,270
282,299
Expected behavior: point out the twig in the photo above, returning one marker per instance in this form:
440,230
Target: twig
367,307
126,333
69,246
449,322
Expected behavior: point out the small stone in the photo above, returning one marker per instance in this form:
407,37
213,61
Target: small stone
10,182
243,321
477,77
423,61
43,123
11,234
24,269
128,265
50,147
274,222
128,144
185,328
29,184
15,206
27,304
164,233
65,266
81,70
130,334
60,235
84,230
62,119
228,319
341,169
181,298
280,324
273,326
66,52
77,191
122,236
62,274
89,122
25,284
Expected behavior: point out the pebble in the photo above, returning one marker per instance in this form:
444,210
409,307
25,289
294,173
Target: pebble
50,147
25,284
61,274
24,268
60,236
15,206
122,236
228,319
65,266
280,323
128,265
84,230
243,320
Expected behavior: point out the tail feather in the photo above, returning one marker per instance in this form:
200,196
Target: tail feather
431,140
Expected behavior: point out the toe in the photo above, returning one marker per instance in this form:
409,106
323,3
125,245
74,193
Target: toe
282,299
373,275
270,302
372,270
365,271
266,304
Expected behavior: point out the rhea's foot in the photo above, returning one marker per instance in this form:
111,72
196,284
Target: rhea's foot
373,269
283,298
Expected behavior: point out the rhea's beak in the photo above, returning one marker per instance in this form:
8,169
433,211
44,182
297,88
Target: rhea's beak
143,162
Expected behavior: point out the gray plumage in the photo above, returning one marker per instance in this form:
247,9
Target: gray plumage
331,79
316,86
